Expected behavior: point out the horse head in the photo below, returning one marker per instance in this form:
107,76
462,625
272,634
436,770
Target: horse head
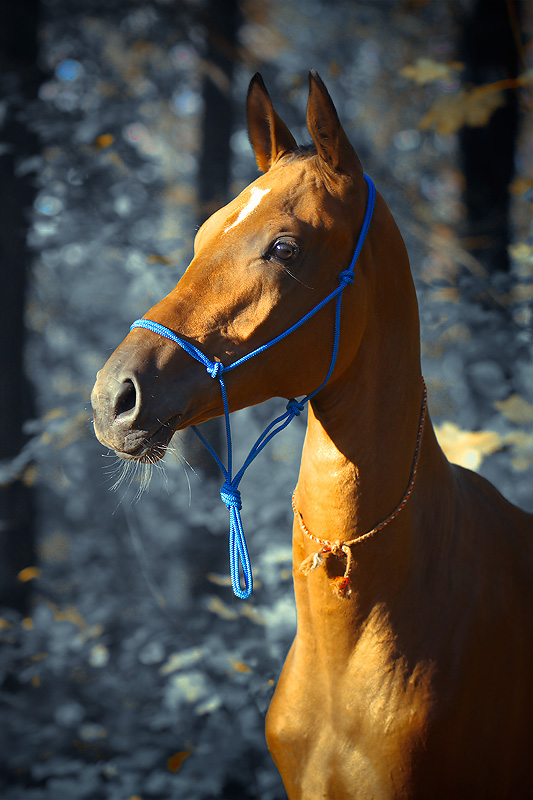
260,264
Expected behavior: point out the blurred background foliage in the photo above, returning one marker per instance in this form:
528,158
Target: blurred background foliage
128,670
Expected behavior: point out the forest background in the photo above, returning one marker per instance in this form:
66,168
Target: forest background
127,669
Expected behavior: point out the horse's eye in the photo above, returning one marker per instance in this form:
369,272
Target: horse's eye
284,250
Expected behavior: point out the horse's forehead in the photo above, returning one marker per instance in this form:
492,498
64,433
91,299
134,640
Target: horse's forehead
284,190
245,204
293,190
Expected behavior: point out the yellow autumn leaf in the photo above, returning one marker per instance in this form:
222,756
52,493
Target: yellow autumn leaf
219,580
446,114
474,108
105,140
185,658
522,252
28,574
426,70
218,607
38,657
521,184
480,105
239,666
67,614
522,449
175,762
516,409
467,448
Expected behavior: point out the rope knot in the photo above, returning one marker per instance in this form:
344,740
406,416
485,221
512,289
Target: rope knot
231,497
215,368
295,407
346,277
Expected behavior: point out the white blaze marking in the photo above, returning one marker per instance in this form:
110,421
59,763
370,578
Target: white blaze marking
255,198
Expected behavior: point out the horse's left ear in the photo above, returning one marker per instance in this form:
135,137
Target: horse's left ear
269,136
332,144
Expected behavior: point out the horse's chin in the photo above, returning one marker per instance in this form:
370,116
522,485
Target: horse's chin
142,447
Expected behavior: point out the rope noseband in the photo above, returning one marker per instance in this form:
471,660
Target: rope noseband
230,495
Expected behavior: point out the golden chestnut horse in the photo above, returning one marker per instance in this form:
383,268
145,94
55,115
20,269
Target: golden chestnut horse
411,674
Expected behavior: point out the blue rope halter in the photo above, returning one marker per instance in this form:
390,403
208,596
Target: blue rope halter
231,497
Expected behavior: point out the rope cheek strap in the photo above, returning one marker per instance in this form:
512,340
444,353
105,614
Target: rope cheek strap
230,495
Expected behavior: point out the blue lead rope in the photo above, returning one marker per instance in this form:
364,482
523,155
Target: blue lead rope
238,551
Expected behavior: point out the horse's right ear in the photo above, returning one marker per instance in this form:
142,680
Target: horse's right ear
332,144
269,136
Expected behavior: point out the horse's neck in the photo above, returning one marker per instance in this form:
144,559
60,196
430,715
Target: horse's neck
358,455
360,442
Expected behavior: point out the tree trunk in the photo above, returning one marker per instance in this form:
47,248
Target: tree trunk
490,52
19,81
222,23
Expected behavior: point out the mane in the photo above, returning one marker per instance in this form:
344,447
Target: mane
303,151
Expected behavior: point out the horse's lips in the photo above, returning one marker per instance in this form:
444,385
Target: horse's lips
153,447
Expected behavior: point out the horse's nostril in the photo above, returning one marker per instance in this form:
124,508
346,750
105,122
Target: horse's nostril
126,399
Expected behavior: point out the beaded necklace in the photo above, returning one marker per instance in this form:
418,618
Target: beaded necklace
342,586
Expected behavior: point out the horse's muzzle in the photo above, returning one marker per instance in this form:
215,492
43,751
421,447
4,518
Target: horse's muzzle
143,394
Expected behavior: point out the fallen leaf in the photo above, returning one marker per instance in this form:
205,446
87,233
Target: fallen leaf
426,70
239,666
175,762
516,409
467,448
28,574
103,141
521,184
522,252
473,108
217,606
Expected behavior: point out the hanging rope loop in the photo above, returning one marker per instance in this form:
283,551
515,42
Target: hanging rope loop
238,557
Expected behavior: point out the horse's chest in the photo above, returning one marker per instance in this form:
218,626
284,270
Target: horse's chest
348,737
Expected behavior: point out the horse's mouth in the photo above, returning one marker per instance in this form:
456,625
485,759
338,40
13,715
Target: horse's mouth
151,448
143,448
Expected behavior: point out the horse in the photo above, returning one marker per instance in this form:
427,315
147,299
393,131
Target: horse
410,673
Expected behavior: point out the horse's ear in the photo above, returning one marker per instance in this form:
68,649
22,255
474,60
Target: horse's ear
332,144
269,136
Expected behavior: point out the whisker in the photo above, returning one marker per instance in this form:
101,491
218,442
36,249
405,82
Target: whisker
296,278
145,477
178,453
137,474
